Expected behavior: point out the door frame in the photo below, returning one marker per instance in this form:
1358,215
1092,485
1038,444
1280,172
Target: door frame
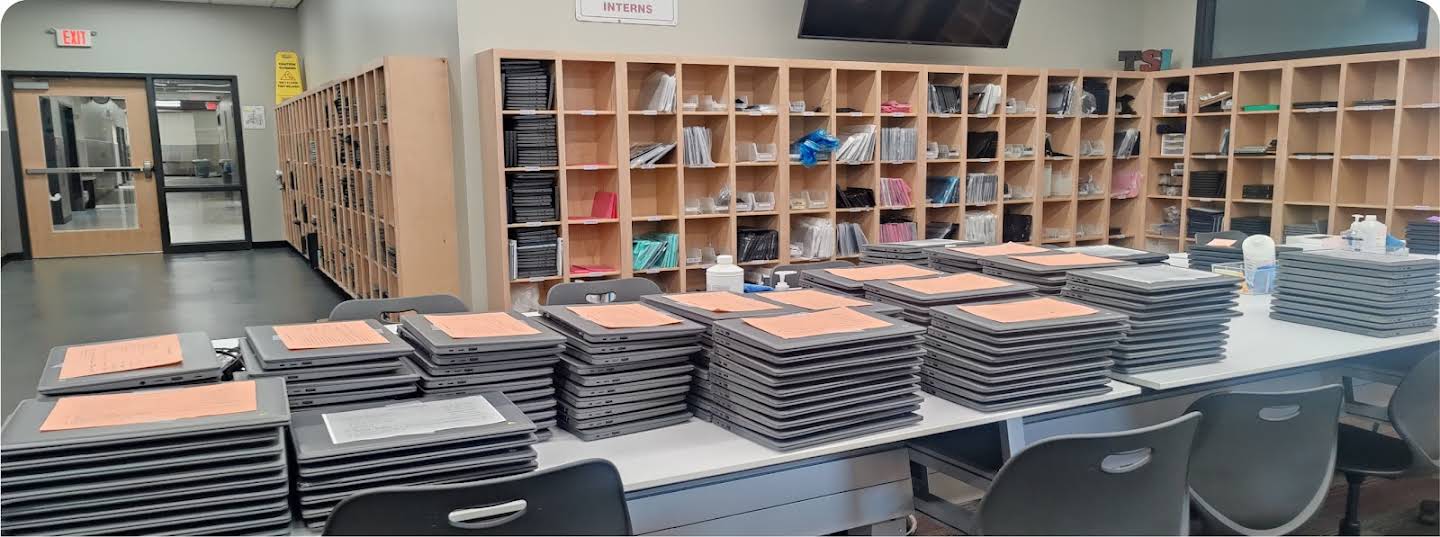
7,78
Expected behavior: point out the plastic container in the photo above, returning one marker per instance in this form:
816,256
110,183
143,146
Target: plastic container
725,275
1259,264
1373,233
780,283
1354,237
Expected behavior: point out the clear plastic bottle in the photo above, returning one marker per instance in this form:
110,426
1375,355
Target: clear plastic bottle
1373,232
725,275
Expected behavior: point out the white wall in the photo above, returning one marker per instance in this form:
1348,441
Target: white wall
170,38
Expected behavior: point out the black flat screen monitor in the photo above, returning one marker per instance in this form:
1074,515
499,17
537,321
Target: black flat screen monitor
959,23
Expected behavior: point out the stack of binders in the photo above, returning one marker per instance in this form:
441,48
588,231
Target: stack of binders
1215,248
851,281
530,141
470,353
946,99
918,296
534,252
532,197
626,368
1045,271
850,238
968,258
1376,295
1423,237
912,252
1207,184
1019,352
331,363
190,460
526,85
171,359
1178,316
806,379
434,440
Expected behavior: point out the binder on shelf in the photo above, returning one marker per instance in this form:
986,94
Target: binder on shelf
658,92
945,99
942,189
981,188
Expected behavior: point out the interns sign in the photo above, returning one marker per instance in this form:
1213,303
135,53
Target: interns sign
72,37
656,12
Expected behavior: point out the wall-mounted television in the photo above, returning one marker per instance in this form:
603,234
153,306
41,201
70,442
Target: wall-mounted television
958,23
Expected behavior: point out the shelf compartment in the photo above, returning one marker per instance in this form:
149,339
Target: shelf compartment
1095,172
581,187
1095,130
1090,221
1300,215
1157,97
1251,172
1064,135
1420,86
861,176
699,80
812,86
655,129
1363,182
1254,130
588,85
1258,87
636,74
706,183
1025,88
1368,133
1206,133
654,192
902,87
1420,132
1417,184
590,140
1311,133
1209,85
1057,222
594,246
940,78
991,78
857,89
1405,215
720,148
1308,181
760,180
714,233
1315,83
667,280
1013,217
761,131
1133,86
1371,80
1123,216
816,181
947,132
759,85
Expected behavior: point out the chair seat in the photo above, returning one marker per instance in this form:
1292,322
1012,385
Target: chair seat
1370,453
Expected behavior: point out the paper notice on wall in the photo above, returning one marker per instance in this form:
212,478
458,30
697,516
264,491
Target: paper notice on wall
253,116
654,12
288,81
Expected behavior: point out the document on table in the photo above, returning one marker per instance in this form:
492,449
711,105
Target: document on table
115,356
425,417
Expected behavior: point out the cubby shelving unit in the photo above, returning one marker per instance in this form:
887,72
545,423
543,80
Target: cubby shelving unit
361,159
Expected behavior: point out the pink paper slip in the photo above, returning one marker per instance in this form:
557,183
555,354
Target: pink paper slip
475,325
111,409
1009,248
128,355
722,302
957,283
623,315
834,321
328,335
882,272
1222,243
1065,260
1035,309
814,300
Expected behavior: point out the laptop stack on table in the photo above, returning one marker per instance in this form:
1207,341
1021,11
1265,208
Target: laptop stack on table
471,353
1223,247
1178,316
1376,295
433,440
912,252
805,379
1019,352
708,308
1139,257
968,258
189,460
127,364
1423,237
1047,271
626,367
331,363
818,299
917,296
851,281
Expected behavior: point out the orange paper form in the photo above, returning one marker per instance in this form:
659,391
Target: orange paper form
1061,260
958,283
882,272
1009,248
814,300
111,409
128,355
835,321
623,316
722,302
473,325
1221,242
327,335
1037,309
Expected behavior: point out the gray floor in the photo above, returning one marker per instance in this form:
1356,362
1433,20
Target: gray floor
53,302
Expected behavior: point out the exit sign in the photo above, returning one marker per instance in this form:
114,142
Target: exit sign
72,37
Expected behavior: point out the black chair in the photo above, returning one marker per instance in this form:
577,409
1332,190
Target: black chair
384,309
601,292
580,498
1262,462
1124,483
1414,412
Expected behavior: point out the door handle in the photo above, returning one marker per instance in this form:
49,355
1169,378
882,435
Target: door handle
148,169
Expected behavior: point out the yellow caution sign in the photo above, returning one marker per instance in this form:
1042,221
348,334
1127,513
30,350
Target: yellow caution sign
288,82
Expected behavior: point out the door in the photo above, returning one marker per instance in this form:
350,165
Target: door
80,142
201,166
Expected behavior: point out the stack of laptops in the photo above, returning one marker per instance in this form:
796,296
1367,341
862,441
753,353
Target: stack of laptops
1223,247
1019,352
1178,316
912,252
917,296
1253,225
433,440
526,84
1376,295
1423,237
471,353
708,308
127,364
1139,257
968,258
1047,271
189,460
530,141
626,367
851,281
800,380
820,300
330,363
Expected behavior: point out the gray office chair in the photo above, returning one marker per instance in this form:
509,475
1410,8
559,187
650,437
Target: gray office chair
1414,412
382,309
580,498
1262,462
601,292
794,279
1124,483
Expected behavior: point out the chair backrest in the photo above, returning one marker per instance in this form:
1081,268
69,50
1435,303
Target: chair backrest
382,308
1123,483
601,292
580,498
794,279
1415,413
1262,462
